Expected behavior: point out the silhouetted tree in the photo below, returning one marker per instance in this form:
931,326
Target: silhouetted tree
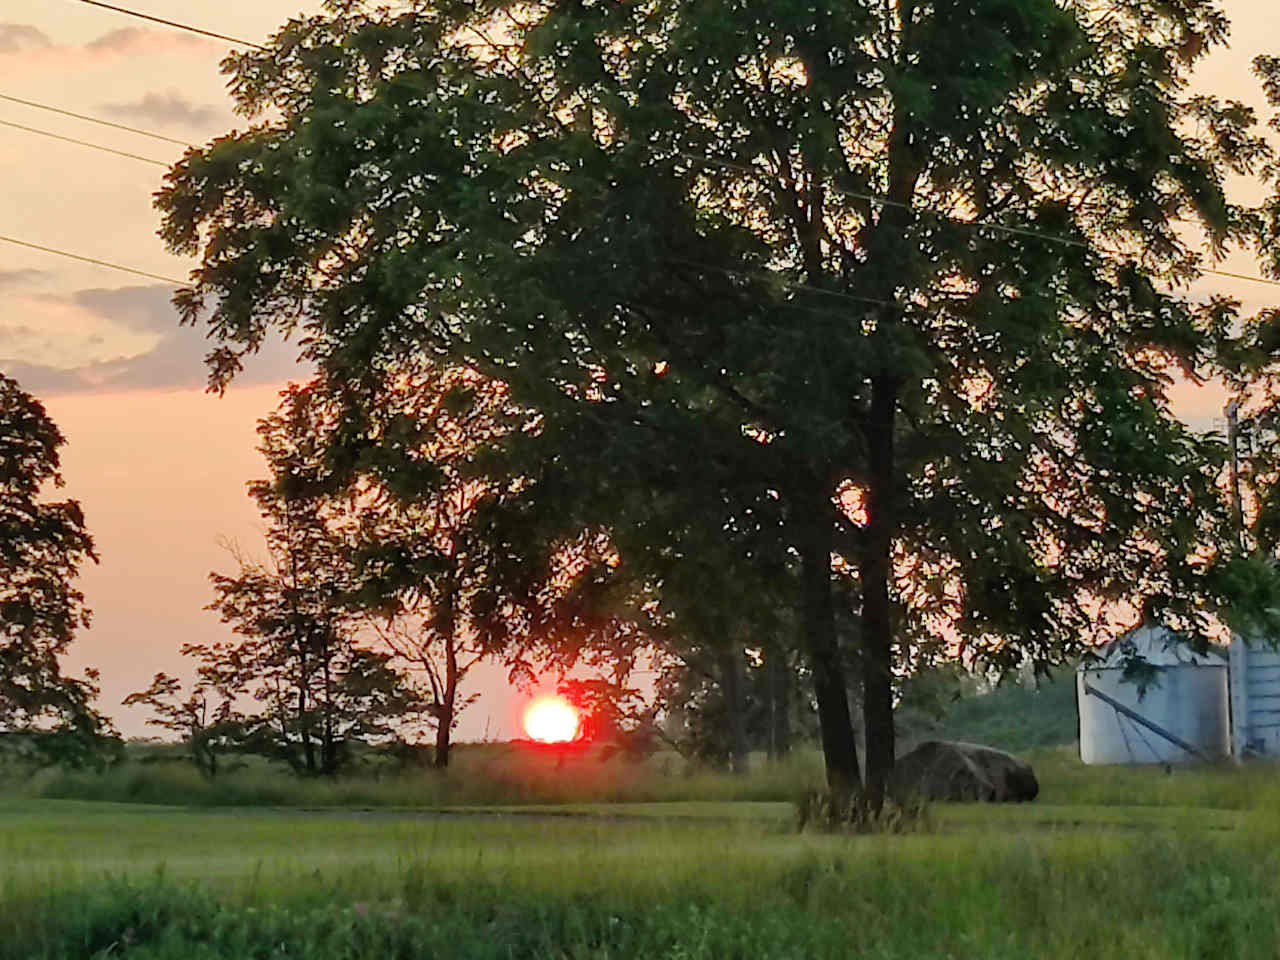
440,580
296,652
206,718
880,287
43,544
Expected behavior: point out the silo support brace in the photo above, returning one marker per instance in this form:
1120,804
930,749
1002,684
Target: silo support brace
1140,719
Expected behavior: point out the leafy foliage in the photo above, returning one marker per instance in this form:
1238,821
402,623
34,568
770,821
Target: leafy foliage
296,653
44,714
206,719
442,567
884,283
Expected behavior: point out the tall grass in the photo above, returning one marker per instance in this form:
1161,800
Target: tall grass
528,774
490,774
1226,786
272,885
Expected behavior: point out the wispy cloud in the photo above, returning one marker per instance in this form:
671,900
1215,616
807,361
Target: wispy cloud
24,48
15,37
167,108
127,40
121,340
17,278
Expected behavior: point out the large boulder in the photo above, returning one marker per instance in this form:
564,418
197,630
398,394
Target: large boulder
944,770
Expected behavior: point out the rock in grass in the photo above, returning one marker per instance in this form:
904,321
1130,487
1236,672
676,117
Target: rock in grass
944,770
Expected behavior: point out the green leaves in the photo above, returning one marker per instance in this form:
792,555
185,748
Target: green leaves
704,242
42,546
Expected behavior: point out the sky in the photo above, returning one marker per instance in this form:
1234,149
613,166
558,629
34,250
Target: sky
159,465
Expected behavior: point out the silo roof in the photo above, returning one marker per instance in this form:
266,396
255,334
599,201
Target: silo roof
1157,645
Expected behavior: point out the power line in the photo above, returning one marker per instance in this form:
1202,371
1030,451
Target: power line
778,279
105,123
1243,276
95,262
987,224
708,161
171,23
83,143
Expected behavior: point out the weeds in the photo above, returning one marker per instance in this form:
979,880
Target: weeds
825,811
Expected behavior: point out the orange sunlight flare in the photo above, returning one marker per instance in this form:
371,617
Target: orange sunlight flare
551,720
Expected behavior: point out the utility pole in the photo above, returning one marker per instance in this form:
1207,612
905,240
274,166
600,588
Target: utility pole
1233,441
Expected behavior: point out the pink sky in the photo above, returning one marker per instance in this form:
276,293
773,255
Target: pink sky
159,465
161,476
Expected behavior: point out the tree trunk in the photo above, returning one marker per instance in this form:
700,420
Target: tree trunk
444,718
877,612
778,685
328,757
839,749
735,710
304,723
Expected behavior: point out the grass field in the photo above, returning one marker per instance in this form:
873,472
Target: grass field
1109,862
522,851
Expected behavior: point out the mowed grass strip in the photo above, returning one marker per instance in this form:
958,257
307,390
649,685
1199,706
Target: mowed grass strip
522,774
85,880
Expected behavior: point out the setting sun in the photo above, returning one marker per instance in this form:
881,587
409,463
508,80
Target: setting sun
551,720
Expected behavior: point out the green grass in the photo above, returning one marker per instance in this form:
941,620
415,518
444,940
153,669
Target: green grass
1064,779
485,774
525,775
84,880
528,853
1013,717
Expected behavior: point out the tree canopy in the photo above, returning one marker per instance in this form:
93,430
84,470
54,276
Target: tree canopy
296,652
43,544
877,300
407,465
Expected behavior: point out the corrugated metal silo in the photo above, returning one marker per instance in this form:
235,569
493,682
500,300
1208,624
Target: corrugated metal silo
1255,699
1184,715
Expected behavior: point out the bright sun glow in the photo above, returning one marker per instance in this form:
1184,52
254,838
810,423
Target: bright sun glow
551,720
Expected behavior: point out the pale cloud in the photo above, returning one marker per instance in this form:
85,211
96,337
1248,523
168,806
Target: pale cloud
167,108
119,340
18,278
29,49
132,40
15,37
61,333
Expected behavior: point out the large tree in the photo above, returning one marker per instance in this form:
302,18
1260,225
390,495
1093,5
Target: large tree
43,545
877,291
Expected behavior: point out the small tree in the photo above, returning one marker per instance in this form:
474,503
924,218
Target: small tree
297,654
206,718
617,715
440,576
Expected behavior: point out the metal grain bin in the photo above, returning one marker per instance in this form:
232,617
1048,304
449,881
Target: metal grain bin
1184,715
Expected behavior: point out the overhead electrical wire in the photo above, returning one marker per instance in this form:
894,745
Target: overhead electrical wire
93,260
97,120
761,273
84,143
173,23
985,224
708,161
